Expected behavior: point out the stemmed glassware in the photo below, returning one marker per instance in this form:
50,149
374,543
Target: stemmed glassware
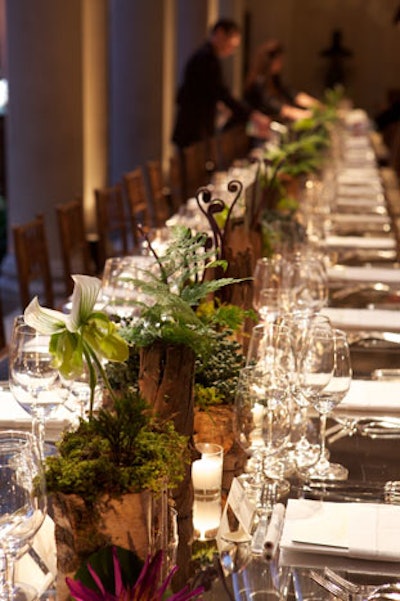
263,411
23,504
301,325
34,379
325,398
305,275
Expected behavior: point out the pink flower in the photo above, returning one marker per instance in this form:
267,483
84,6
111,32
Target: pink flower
146,588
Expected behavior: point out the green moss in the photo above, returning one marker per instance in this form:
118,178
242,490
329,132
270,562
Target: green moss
119,450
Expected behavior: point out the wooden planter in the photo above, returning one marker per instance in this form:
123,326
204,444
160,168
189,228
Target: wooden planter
81,530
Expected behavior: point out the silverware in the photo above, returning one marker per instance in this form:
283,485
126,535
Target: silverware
332,588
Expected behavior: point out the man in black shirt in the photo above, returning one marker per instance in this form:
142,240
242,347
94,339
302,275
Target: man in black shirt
203,88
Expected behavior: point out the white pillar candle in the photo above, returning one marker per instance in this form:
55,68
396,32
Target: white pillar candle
207,473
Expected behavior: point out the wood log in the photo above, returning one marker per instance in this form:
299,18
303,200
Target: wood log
82,529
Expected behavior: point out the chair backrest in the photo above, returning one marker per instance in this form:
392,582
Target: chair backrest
31,253
75,250
138,202
160,194
111,222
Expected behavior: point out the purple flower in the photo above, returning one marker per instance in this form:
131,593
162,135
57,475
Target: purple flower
146,588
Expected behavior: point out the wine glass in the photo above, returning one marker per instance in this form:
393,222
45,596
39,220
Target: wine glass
307,278
23,503
263,406
118,291
301,325
272,303
267,275
78,387
324,400
34,379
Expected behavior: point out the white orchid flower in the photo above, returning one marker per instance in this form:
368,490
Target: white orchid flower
49,321
83,337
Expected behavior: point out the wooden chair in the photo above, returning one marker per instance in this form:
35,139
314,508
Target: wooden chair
160,193
75,250
32,258
138,202
111,222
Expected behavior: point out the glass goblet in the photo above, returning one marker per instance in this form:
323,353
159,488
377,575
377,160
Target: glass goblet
301,325
307,280
327,399
23,503
34,379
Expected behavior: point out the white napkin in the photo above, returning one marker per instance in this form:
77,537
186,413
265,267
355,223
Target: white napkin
364,530
363,274
359,242
360,190
358,219
361,202
32,571
373,395
364,319
352,176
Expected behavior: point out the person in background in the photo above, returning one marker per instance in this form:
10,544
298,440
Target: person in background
203,90
265,91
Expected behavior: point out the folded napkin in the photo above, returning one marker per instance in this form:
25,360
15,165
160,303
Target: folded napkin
352,176
360,190
367,203
355,274
39,568
363,530
357,219
372,395
360,242
363,319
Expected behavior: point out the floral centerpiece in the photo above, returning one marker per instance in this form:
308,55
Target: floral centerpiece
108,469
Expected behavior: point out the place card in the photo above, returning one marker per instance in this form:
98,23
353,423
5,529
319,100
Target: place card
237,517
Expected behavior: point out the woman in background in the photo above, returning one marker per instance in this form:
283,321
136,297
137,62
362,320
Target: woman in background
266,92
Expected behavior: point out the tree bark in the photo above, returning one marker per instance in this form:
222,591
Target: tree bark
166,381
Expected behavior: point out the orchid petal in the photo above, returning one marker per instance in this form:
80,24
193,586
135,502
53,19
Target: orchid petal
84,296
45,321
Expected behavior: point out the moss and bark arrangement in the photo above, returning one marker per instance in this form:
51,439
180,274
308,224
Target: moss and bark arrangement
108,480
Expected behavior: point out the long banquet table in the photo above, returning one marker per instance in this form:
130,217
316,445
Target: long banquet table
364,435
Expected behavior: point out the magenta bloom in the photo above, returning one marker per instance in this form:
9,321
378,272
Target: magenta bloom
146,588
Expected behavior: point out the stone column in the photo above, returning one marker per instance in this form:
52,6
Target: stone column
57,115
